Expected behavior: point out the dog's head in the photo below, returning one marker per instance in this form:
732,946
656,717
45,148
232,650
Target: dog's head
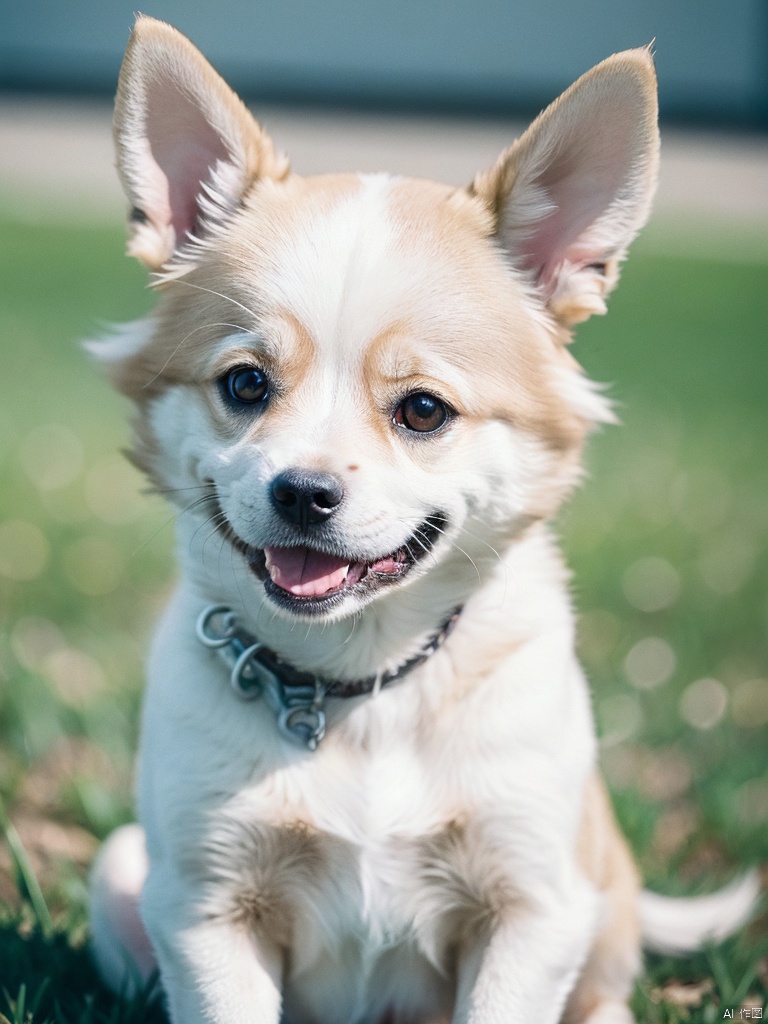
367,377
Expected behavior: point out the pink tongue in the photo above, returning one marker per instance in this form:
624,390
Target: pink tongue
305,572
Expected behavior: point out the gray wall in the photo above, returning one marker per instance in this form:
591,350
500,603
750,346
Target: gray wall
712,55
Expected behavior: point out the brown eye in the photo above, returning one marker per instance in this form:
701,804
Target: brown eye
421,412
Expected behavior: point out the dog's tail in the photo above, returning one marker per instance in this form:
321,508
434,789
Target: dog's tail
676,926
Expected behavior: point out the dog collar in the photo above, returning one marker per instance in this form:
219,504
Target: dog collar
296,697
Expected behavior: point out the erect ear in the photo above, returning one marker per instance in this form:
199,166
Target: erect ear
572,192
187,148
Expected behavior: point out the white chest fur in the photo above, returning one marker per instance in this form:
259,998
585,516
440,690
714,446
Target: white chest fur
388,843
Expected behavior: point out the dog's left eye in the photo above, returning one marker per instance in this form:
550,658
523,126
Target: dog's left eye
246,385
421,412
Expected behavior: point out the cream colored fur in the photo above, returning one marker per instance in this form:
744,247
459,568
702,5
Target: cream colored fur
448,853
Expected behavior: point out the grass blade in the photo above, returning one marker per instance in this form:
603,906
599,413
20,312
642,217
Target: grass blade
26,874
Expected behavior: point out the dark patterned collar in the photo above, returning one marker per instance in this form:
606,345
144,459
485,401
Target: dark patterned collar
296,697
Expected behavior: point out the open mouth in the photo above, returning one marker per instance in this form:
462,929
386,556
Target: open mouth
310,580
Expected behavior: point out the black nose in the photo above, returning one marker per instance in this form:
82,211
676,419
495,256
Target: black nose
305,498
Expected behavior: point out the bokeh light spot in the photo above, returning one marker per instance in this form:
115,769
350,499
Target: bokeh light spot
51,456
749,704
752,801
664,774
24,551
75,675
620,717
651,584
33,639
650,663
703,703
112,491
727,565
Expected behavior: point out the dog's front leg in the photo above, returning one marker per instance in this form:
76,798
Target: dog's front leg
528,963
213,969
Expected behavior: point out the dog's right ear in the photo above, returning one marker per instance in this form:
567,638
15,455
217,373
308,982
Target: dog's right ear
187,147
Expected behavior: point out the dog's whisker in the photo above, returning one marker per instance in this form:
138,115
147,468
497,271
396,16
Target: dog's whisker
224,543
458,547
201,327
194,504
215,516
485,543
171,519
428,548
472,535
352,630
214,532
175,490
410,553
259,613
235,574
215,513
424,543
416,519
221,295
476,518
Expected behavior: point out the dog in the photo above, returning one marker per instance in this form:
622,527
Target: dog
367,785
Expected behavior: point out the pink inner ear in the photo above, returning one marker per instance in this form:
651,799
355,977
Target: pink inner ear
588,171
185,148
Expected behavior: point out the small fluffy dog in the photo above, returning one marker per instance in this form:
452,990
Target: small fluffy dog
367,784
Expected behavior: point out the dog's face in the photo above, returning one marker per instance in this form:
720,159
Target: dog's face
366,377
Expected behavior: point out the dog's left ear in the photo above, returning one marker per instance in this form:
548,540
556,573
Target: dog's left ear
573,191
187,147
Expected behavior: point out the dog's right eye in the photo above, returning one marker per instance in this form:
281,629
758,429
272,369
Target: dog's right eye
246,385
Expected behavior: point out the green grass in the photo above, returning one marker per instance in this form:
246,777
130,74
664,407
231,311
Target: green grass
668,540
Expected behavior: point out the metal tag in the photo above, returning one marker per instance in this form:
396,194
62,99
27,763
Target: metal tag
304,724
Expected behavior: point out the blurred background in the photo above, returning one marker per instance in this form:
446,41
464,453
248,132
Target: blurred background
668,538
497,55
